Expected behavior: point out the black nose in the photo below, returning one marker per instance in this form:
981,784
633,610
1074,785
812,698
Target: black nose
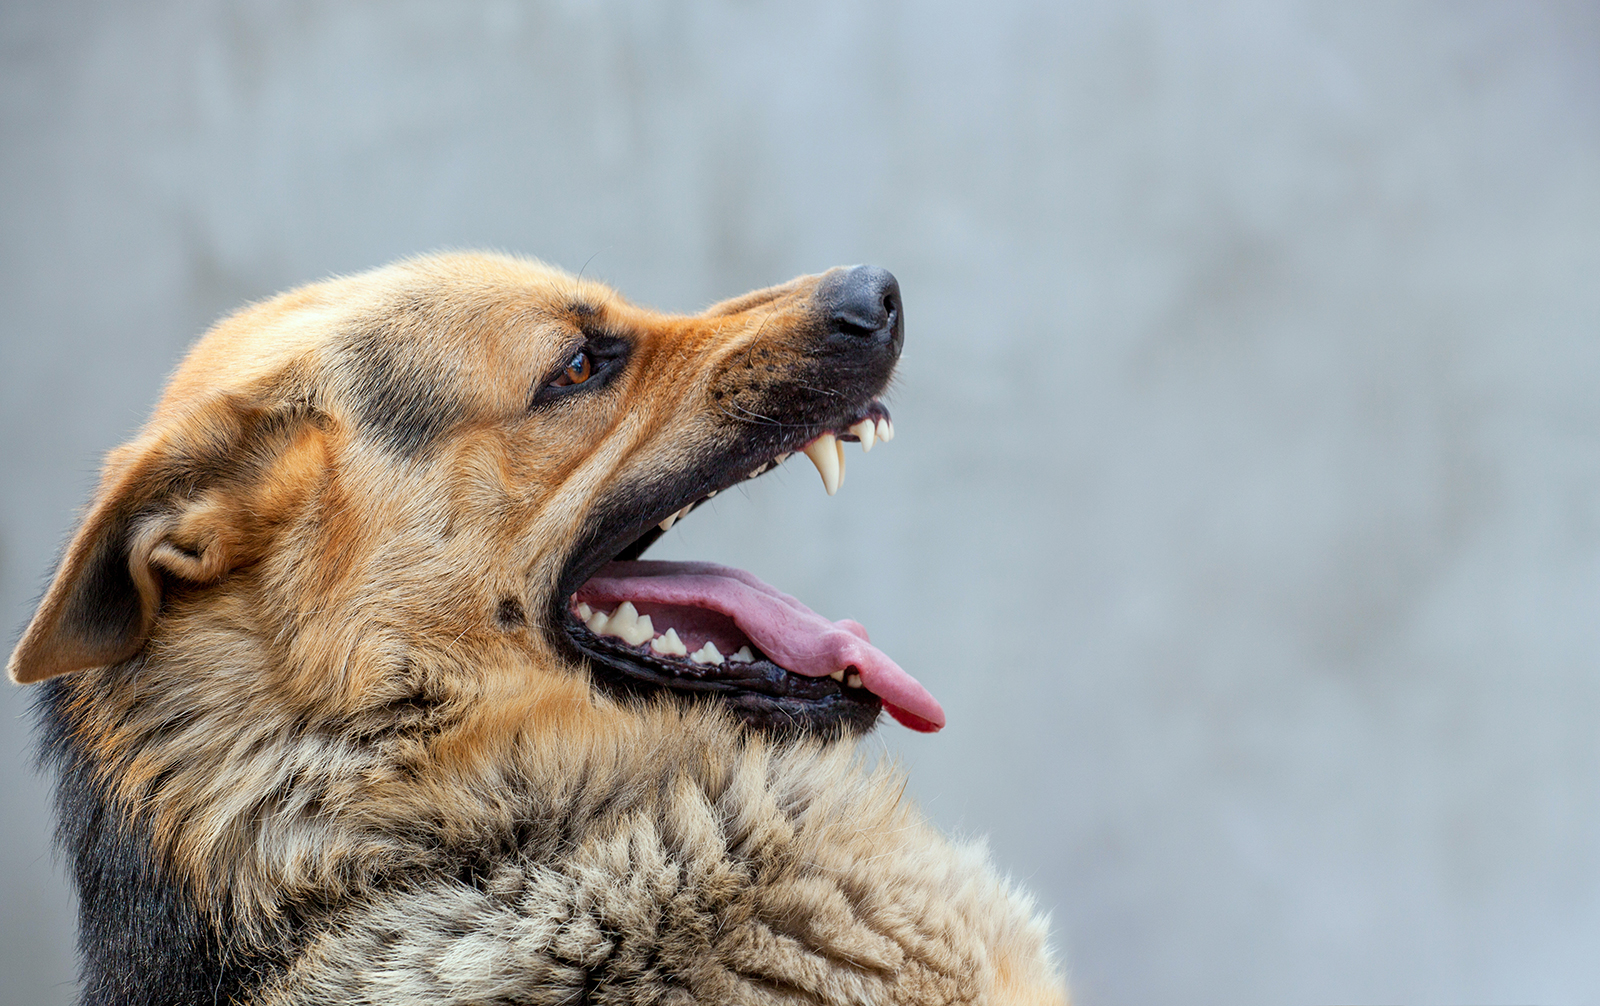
862,305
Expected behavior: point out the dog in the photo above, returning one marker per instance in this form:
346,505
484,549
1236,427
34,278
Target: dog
359,691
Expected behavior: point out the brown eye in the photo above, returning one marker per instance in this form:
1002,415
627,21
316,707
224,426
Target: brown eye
578,370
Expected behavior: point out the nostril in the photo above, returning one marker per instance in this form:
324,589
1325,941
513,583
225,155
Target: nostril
862,302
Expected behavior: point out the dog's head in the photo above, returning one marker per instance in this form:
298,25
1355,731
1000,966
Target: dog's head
432,482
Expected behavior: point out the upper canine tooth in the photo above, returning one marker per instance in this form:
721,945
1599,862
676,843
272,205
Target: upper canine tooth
866,433
824,452
707,654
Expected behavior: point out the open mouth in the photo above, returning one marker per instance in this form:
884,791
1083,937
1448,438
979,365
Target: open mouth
697,628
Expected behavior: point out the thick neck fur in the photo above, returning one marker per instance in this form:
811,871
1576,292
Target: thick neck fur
300,846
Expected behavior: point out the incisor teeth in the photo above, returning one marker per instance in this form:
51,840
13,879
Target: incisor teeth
741,656
824,452
669,644
706,654
866,433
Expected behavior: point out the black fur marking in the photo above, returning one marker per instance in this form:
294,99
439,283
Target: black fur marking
402,400
141,939
510,615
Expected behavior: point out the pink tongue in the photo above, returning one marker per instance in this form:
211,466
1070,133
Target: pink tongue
795,637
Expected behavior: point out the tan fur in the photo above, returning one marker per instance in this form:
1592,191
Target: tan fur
327,706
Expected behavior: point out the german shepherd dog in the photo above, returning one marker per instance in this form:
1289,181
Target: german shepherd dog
359,692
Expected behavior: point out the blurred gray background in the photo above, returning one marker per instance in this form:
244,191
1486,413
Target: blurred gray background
1245,508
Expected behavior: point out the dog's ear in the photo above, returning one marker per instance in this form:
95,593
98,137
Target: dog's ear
180,502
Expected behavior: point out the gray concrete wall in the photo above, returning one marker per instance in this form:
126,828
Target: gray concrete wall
1245,511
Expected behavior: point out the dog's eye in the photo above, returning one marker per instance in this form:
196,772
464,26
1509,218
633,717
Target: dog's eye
579,369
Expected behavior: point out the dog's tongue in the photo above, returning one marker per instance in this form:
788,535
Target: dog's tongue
795,637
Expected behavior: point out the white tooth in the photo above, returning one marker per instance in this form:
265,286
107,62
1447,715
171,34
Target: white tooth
837,676
883,430
642,631
712,493
825,454
888,426
584,611
866,433
597,623
741,656
706,654
666,525
628,625
669,644
623,619
839,447
780,459
853,680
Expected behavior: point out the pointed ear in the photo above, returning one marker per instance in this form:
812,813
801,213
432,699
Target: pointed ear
175,505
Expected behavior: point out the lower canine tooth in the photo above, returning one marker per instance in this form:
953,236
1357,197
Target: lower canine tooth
669,644
824,452
866,433
706,654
